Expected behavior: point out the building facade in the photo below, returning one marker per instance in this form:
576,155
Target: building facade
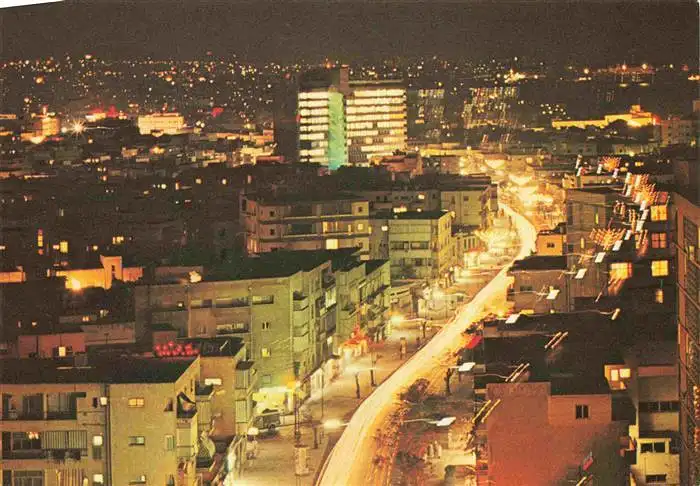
376,120
124,422
688,283
302,222
163,123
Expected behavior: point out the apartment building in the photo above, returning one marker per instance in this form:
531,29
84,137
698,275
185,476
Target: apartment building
420,245
619,244
363,300
651,381
129,422
538,285
305,222
688,285
551,242
282,304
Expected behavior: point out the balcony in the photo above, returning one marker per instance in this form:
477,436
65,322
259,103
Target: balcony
23,454
301,301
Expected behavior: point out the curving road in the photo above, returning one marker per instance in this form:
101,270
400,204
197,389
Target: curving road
350,461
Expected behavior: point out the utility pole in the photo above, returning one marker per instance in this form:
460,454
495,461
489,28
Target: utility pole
357,385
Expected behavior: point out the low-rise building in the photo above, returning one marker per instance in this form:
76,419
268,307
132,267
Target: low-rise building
551,242
305,222
282,304
539,285
161,123
420,245
130,421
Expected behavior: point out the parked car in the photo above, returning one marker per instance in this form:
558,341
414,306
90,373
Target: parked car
269,420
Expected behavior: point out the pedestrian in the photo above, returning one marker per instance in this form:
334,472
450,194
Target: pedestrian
417,342
402,343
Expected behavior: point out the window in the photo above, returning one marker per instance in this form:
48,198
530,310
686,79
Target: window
659,296
137,440
28,478
646,448
272,232
625,372
272,214
213,381
659,447
620,270
97,442
658,240
266,379
360,226
263,299
332,244
581,412
659,213
596,218
265,352
98,479
655,478
659,268
136,402
265,326
169,442
550,245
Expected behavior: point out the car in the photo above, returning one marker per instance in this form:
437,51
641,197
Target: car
269,420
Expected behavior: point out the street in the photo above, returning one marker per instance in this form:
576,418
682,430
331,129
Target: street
351,461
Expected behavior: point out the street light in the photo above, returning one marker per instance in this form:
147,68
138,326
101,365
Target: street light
463,368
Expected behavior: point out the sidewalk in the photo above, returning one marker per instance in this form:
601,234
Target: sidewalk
275,462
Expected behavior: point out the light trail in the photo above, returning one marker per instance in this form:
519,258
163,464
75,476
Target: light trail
352,456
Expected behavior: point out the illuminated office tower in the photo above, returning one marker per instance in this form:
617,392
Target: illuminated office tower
321,117
375,112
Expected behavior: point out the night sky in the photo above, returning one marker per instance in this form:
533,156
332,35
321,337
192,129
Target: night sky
587,31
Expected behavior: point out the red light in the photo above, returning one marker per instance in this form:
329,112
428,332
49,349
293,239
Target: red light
171,344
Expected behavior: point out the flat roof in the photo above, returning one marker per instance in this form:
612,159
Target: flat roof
420,214
540,262
307,197
116,371
281,263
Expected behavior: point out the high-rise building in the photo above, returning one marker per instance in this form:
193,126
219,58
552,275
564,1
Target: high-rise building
376,120
342,121
321,116
688,241
426,114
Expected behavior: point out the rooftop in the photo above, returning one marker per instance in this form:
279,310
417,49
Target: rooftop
537,262
281,263
303,197
114,371
420,215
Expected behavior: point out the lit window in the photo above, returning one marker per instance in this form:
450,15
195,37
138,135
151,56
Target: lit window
332,244
583,243
98,478
625,373
97,440
63,246
212,381
620,270
137,440
614,375
659,213
659,296
659,268
658,240
385,228
360,226
136,402
139,480
265,352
